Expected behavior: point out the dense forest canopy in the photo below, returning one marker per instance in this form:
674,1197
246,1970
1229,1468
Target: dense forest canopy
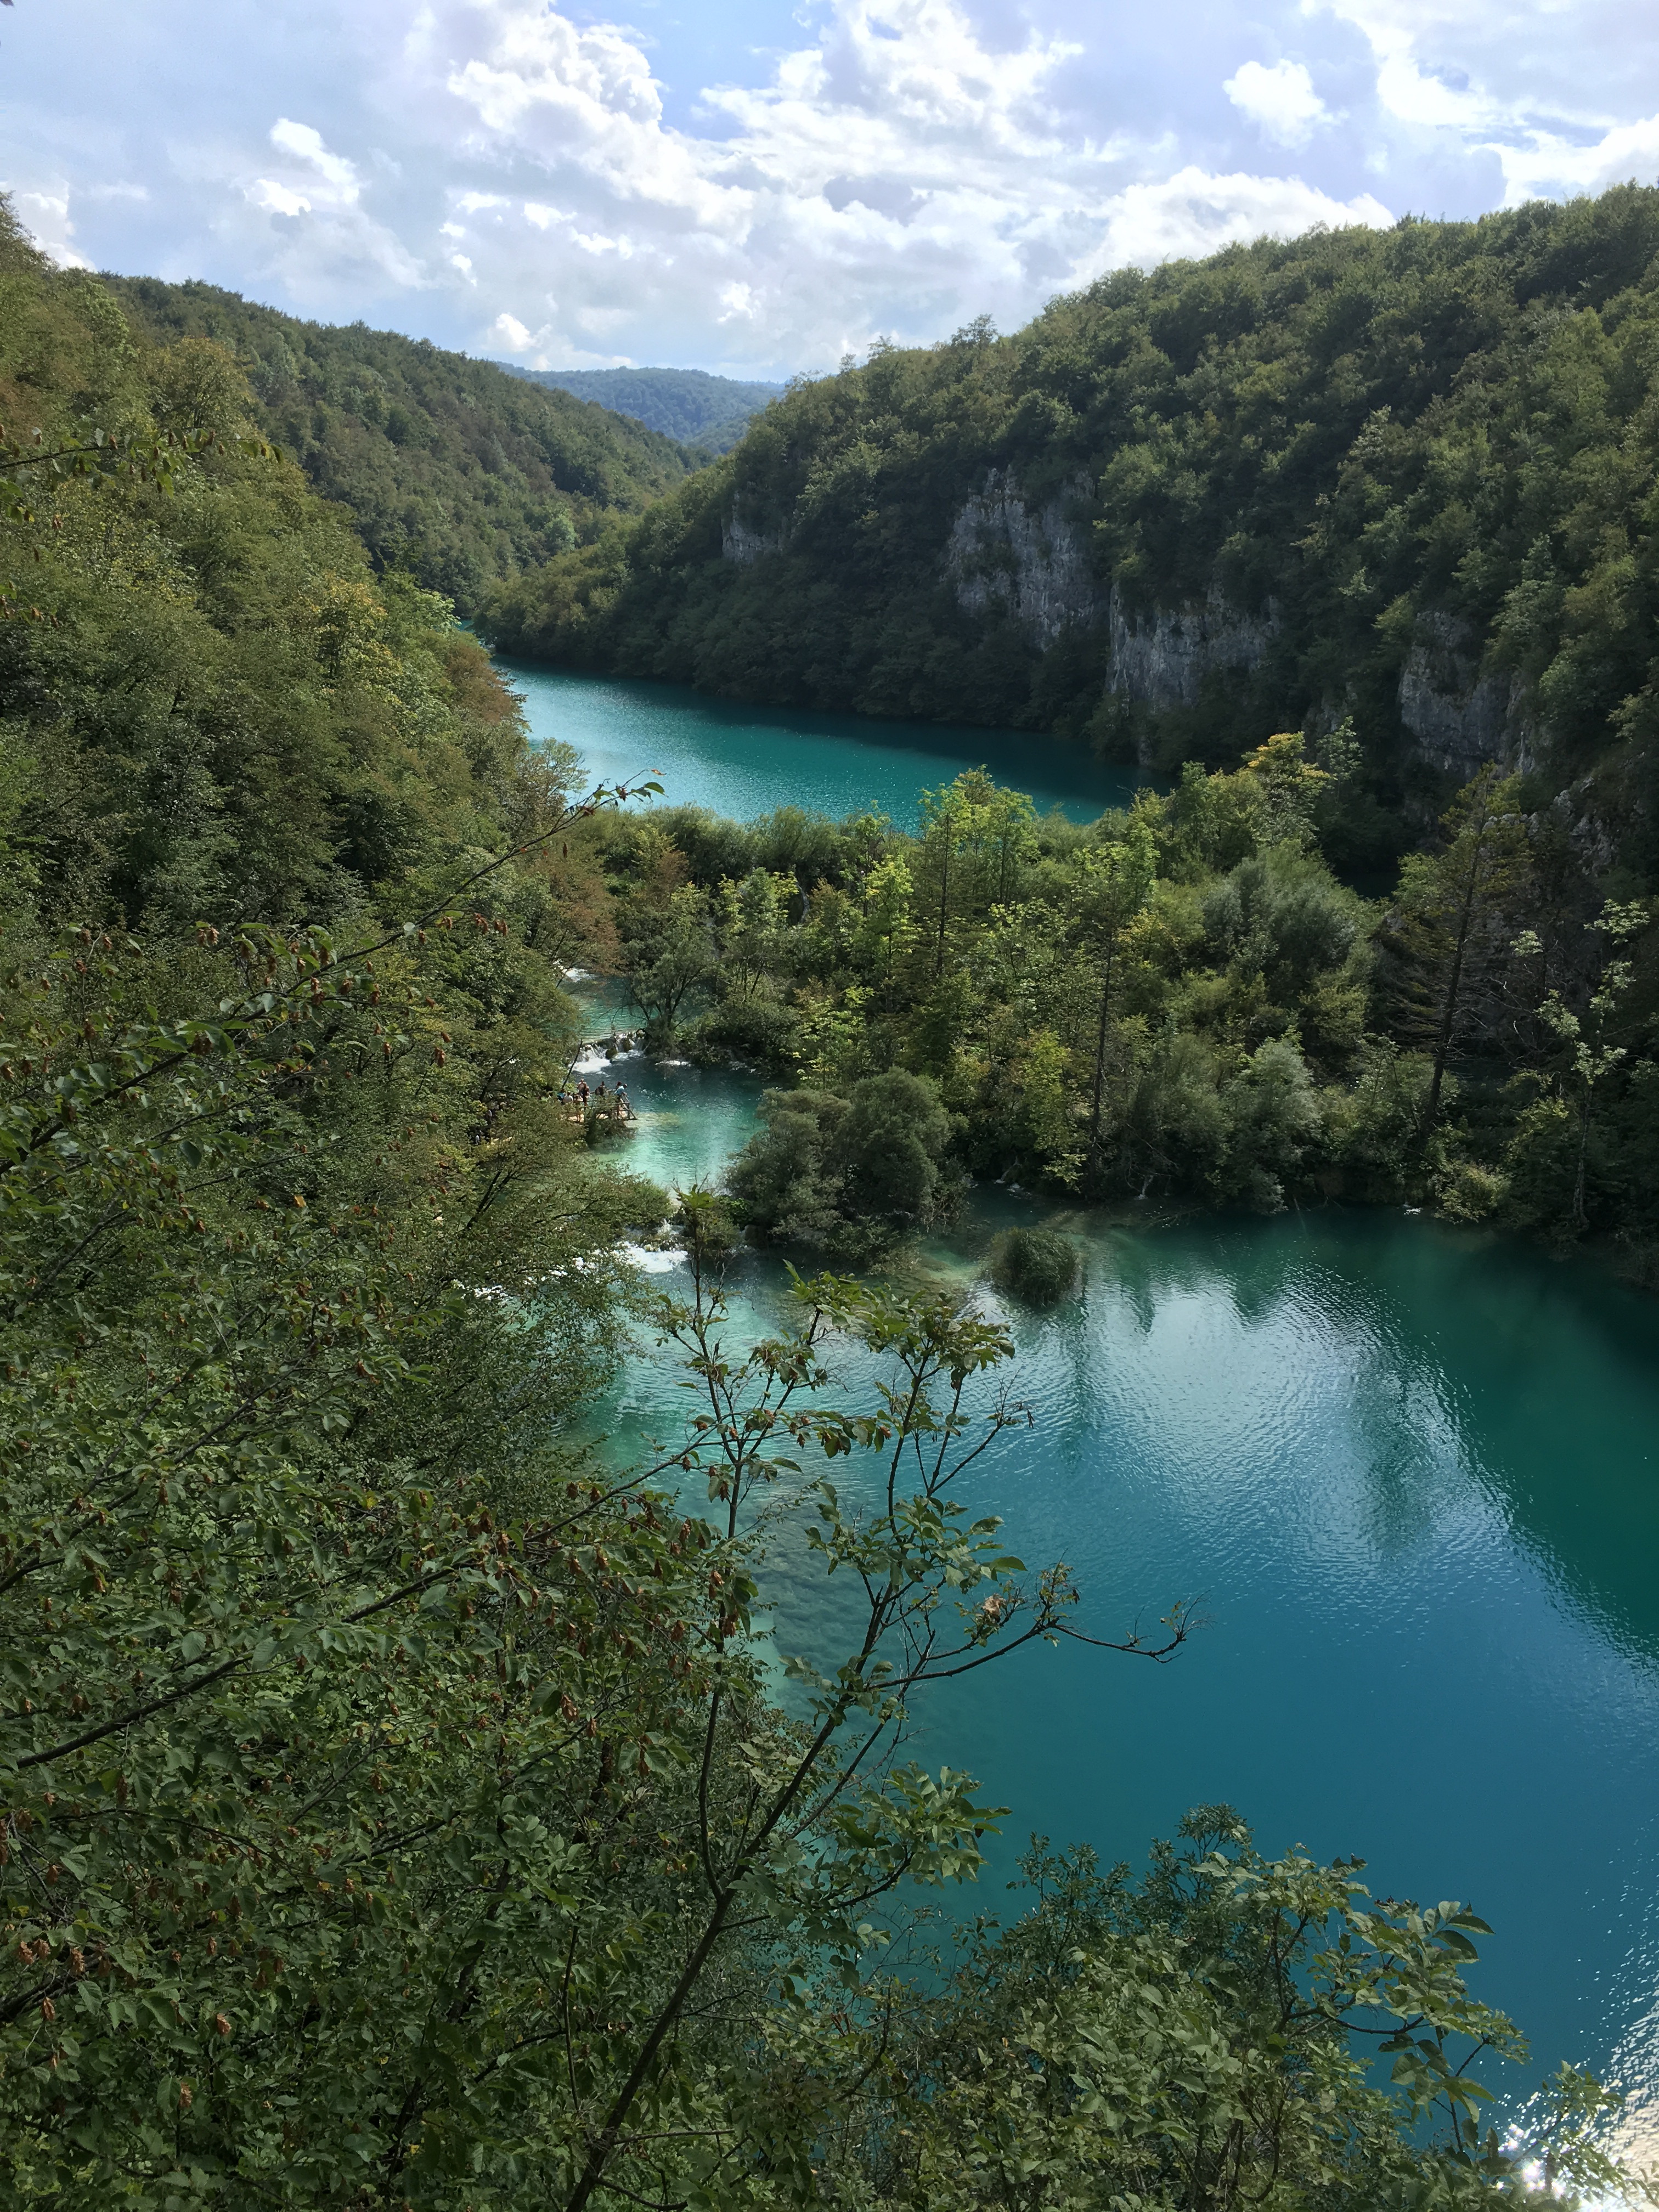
452,469
399,1808
1403,476
709,412
1182,1001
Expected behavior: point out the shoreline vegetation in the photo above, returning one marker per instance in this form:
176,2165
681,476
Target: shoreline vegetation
394,1812
1179,1001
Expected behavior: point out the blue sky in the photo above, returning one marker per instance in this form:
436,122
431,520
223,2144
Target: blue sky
759,188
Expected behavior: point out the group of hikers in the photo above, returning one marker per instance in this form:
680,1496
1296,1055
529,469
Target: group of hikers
615,1103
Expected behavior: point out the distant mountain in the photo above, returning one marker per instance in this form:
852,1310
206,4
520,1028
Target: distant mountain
451,469
712,412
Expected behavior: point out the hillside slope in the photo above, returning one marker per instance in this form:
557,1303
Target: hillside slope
710,412
451,467
1403,476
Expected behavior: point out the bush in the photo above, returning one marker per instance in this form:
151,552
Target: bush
849,1174
1468,1191
1038,1266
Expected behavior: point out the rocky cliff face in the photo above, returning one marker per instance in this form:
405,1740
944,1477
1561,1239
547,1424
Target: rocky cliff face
1456,717
743,541
1033,562
1160,660
1004,554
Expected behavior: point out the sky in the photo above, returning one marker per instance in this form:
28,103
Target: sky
759,188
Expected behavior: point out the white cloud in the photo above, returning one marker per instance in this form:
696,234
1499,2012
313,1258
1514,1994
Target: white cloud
1548,163
1281,101
337,176
790,178
45,215
1193,213
276,199
1525,82
897,173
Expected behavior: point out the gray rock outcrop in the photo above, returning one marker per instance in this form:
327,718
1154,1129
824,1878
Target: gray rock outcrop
743,541
1456,717
1003,553
1160,660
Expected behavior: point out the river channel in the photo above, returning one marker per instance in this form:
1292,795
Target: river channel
1412,1471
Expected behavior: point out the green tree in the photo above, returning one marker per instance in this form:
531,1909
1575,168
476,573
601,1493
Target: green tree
670,955
1589,1055
948,822
1454,924
811,1842
1207,2037
1115,883
849,1174
885,928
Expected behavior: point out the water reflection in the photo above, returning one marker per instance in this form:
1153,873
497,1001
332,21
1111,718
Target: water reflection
1413,1473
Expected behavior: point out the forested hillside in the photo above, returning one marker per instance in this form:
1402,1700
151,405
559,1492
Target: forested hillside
452,469
396,1806
709,412
1401,476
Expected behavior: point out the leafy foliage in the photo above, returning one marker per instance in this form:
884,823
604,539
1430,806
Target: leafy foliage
849,1174
1180,999
1204,2037
454,470
1039,1266
402,1807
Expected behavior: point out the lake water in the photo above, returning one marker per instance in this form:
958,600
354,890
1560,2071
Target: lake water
744,761
1413,1473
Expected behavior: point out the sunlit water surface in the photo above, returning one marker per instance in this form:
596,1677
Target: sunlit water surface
744,761
1412,1471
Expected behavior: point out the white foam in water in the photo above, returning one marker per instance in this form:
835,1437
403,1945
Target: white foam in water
650,1261
593,1062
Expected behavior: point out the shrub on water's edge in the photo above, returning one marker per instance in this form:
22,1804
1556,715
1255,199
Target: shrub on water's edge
1038,1265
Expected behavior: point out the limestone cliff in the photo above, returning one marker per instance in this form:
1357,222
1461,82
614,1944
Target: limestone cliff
1160,660
1035,562
1455,716
743,541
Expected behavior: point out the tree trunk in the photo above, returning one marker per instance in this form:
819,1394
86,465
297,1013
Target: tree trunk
944,903
1579,1218
1100,1056
1453,985
599,2151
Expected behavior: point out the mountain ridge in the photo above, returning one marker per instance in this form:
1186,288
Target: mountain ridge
691,405
452,469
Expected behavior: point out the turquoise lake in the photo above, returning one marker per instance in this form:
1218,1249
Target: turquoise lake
1413,1473
744,761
